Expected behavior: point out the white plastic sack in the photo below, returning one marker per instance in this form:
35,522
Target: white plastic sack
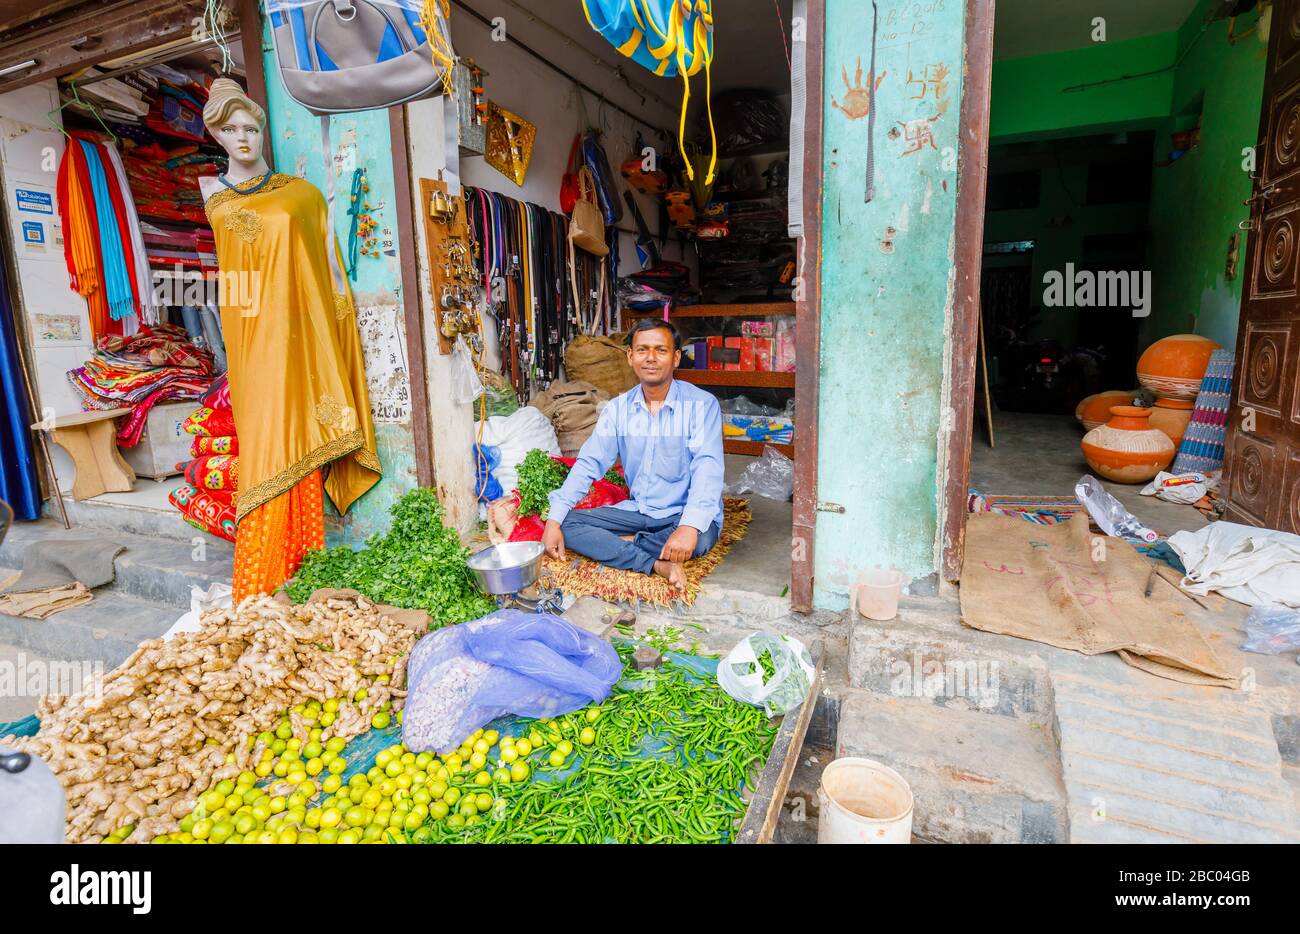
465,384
516,435
742,676
1186,489
1257,567
217,596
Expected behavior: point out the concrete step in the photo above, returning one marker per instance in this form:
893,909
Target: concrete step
101,633
1147,760
157,570
927,654
975,778
150,521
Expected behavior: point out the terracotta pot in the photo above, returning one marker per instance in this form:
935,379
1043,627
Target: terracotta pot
1172,416
1095,409
1127,449
1172,367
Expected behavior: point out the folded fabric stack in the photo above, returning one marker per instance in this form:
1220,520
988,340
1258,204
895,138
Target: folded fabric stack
158,364
207,500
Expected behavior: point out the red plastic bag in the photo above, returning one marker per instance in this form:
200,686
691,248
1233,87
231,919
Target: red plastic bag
528,529
602,493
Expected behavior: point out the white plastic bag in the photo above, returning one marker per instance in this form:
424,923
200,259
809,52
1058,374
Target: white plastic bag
217,596
742,675
516,435
465,384
1181,488
771,476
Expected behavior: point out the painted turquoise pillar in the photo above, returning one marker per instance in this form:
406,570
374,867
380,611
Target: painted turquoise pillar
359,140
886,280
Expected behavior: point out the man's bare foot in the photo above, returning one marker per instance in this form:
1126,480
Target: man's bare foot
675,573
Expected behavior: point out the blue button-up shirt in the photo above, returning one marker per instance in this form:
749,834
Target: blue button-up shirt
672,460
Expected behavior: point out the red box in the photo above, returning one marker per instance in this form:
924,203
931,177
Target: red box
763,354
747,354
734,343
715,343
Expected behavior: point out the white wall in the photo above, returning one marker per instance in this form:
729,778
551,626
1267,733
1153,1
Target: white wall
31,149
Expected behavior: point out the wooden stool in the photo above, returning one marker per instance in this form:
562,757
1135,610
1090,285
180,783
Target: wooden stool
90,438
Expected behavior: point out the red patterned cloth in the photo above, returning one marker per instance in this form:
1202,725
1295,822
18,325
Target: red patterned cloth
215,473
212,423
211,512
203,445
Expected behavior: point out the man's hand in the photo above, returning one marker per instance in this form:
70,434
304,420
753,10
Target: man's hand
553,539
680,545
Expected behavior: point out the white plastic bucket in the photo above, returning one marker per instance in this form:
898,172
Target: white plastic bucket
863,801
876,593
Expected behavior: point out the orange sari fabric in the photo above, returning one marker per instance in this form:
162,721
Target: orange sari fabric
271,540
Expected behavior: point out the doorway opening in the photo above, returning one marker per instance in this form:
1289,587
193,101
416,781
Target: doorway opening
1115,201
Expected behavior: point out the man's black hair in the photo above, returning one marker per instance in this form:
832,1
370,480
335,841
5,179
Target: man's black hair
654,324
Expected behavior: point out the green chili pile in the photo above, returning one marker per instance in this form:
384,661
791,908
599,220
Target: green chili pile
668,764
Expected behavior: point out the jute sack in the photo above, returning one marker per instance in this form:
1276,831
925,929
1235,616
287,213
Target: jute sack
1064,586
601,361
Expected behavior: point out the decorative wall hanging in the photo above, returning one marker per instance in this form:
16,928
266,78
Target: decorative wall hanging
509,142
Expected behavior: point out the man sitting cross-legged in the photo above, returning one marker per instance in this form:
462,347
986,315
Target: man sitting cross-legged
667,434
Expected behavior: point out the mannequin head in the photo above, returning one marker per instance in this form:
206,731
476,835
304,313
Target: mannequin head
236,122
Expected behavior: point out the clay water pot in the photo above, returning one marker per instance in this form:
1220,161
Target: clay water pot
1095,409
1172,367
1172,416
1127,449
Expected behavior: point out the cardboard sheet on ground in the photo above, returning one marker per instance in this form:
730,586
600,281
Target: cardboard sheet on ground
1054,584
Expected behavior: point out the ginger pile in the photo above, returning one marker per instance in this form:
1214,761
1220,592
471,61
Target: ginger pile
178,716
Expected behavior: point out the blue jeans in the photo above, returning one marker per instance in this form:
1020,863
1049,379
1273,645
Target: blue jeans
595,533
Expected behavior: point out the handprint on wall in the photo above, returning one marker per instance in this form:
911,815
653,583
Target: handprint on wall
857,97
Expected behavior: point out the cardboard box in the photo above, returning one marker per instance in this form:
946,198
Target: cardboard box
701,350
747,354
164,444
714,345
763,354
733,343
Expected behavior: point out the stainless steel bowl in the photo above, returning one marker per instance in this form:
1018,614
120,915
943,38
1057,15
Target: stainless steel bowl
508,568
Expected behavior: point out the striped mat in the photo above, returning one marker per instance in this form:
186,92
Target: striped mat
1202,446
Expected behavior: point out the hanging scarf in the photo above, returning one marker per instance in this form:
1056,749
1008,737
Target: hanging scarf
81,236
148,308
117,282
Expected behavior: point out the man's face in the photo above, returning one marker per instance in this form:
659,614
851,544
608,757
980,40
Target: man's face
653,357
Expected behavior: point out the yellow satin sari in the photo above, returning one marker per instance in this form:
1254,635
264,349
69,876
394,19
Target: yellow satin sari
297,380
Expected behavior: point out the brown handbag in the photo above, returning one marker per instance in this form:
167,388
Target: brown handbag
587,225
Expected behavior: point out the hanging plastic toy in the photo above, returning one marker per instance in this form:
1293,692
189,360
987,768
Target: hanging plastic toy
670,38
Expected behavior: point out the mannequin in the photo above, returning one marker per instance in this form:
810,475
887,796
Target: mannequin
297,381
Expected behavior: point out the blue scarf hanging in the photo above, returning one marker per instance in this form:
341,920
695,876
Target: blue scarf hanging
18,484
117,281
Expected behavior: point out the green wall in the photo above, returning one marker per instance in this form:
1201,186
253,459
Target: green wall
358,139
1197,203
886,292
1029,101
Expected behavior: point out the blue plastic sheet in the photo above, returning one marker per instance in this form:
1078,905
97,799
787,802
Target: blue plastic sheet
541,666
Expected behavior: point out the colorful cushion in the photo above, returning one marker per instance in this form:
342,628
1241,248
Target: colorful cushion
212,423
214,472
225,444
212,513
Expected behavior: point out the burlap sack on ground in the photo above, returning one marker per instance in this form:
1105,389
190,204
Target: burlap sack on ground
601,361
1056,584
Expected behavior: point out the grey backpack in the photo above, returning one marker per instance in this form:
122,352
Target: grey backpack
337,56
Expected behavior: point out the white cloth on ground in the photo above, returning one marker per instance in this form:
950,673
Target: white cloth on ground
1257,567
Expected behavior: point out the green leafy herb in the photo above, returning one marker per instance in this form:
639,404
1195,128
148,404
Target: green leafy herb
418,563
539,477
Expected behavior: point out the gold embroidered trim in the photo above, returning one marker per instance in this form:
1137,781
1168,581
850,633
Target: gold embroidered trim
244,223
225,194
342,306
285,480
